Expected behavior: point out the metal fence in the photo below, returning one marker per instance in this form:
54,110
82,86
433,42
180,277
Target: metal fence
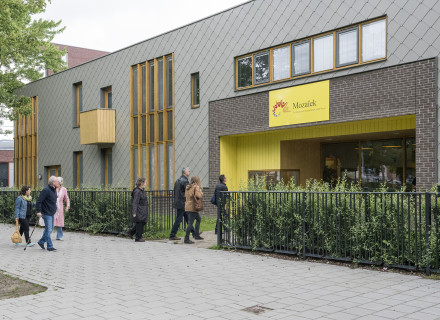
392,229
107,211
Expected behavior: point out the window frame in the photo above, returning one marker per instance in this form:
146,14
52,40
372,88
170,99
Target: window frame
313,39
338,64
261,53
78,86
361,31
272,71
193,78
292,73
251,56
26,147
336,67
151,113
78,169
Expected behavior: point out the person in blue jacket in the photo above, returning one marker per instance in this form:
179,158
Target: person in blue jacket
23,212
46,208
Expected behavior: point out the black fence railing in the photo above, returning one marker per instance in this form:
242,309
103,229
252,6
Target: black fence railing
393,229
107,211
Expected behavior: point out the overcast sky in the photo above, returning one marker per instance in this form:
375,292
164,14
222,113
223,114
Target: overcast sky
110,25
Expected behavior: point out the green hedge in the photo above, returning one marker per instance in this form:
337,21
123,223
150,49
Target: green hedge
102,211
340,222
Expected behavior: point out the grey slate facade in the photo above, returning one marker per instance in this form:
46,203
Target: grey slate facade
209,46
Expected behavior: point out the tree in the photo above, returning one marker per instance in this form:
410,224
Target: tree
25,52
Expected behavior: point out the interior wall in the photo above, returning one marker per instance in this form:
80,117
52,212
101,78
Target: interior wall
304,156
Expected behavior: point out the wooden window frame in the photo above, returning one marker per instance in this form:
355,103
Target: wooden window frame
26,147
155,114
57,171
77,156
311,51
107,90
106,171
339,65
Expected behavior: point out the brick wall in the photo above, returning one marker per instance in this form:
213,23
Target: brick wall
394,91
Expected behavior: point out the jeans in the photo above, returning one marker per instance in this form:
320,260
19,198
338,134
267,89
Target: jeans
48,227
59,232
181,214
193,216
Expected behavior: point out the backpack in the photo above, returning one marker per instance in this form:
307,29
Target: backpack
213,199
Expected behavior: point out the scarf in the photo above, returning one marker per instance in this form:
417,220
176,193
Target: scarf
27,198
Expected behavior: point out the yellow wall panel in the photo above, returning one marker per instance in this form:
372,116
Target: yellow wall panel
261,150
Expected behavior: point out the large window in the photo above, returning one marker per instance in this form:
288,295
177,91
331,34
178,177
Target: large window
349,46
374,40
78,101
323,53
244,72
26,147
195,90
281,63
152,122
301,58
372,163
262,67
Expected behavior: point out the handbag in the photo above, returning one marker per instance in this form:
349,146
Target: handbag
198,203
213,199
41,222
16,237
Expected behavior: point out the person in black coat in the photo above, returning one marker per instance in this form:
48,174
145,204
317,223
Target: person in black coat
139,210
221,186
179,203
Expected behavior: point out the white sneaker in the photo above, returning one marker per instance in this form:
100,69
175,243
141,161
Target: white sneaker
61,239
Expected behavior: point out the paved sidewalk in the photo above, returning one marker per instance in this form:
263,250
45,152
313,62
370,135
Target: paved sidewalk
102,277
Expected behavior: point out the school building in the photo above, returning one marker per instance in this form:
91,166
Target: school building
277,89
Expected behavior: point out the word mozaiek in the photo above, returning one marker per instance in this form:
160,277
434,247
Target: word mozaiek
309,103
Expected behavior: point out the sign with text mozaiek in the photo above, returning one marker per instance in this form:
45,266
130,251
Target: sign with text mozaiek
300,104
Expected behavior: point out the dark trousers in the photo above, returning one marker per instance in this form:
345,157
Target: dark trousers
191,217
24,228
181,214
137,229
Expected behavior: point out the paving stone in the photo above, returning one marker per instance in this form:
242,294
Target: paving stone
103,277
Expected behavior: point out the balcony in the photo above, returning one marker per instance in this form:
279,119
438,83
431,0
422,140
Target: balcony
97,126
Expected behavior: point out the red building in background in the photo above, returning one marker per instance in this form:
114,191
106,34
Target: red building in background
76,56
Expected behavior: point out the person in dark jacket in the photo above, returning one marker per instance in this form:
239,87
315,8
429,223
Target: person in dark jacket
23,212
139,210
46,208
179,203
221,186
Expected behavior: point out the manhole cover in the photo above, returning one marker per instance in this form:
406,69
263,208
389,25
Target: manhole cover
257,309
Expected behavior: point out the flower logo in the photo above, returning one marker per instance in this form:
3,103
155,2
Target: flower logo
280,105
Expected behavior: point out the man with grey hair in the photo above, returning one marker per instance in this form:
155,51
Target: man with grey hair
179,203
46,208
